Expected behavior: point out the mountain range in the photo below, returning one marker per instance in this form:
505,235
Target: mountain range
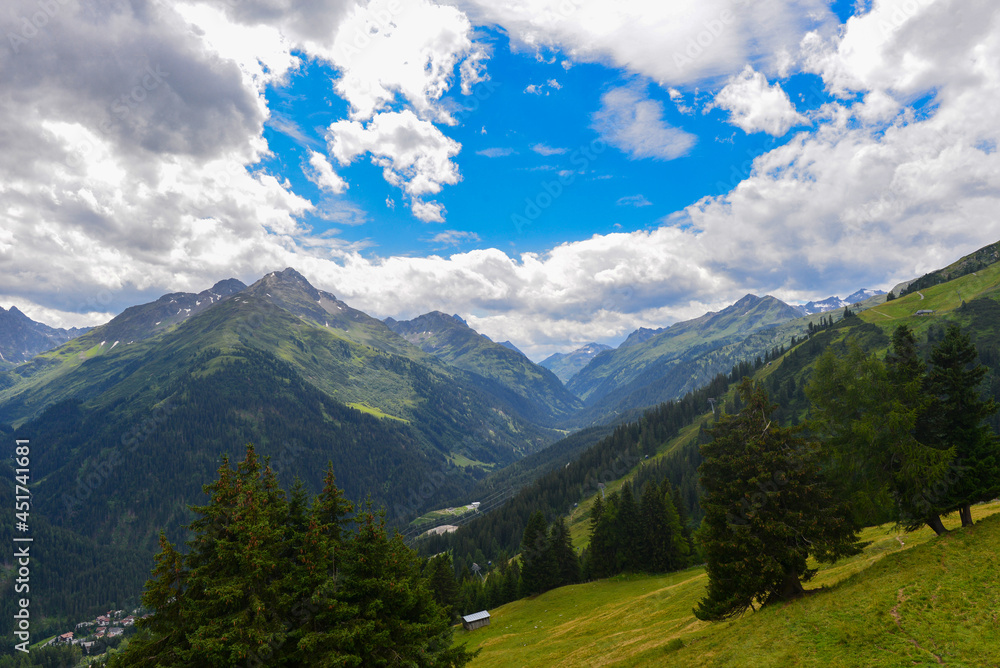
535,391
567,365
21,338
135,414
130,419
834,303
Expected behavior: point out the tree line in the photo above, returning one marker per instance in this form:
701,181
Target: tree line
285,580
899,438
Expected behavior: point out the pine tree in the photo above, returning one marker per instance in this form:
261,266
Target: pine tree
956,420
567,562
395,619
601,552
538,569
440,573
868,414
767,509
268,582
629,533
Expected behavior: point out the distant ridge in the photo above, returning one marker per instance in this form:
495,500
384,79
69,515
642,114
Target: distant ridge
567,365
21,338
535,390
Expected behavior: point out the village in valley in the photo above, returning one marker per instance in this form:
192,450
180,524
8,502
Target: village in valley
114,624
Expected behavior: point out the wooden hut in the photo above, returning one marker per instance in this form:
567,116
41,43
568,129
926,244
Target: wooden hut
476,620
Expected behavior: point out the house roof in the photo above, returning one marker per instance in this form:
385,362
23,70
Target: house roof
476,616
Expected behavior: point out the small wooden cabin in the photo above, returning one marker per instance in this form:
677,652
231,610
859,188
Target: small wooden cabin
476,620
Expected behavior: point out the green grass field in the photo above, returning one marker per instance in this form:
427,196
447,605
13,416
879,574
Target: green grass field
907,600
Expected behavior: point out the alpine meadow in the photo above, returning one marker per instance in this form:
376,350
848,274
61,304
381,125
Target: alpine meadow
556,333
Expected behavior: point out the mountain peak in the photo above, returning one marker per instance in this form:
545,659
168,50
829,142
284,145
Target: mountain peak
748,299
228,286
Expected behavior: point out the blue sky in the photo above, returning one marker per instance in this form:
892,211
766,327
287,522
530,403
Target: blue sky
514,145
554,171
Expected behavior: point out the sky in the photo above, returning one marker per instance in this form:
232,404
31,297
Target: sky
556,172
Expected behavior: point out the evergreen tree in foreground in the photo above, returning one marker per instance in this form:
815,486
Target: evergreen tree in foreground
869,414
955,419
767,509
268,582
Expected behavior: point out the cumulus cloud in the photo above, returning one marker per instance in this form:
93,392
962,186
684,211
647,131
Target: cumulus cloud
321,173
388,49
170,196
633,123
413,153
543,88
673,43
755,106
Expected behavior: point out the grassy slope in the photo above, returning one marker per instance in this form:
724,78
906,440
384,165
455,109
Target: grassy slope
941,299
895,604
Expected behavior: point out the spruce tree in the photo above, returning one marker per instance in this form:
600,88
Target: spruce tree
868,413
567,562
538,568
767,509
629,533
601,552
956,420
267,582
440,573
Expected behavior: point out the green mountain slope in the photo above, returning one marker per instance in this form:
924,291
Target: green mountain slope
127,434
535,391
612,370
968,264
906,600
291,291
567,365
654,366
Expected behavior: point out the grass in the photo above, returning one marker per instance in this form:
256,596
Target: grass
939,298
908,599
371,410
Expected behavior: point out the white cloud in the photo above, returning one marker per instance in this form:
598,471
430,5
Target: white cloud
633,200
408,49
495,152
171,197
321,173
413,153
454,238
546,150
674,43
633,123
429,212
543,88
755,106
678,99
